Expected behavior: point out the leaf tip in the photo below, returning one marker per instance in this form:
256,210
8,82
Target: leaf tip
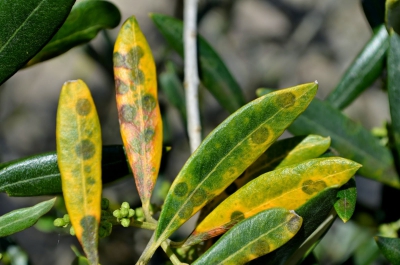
316,82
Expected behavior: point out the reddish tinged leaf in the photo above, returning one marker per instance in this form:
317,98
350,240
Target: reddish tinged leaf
138,109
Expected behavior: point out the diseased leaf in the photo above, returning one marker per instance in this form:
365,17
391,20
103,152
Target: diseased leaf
39,175
86,19
393,85
24,218
214,75
281,153
138,109
390,248
26,26
234,145
317,217
392,16
364,70
253,237
78,136
288,187
346,204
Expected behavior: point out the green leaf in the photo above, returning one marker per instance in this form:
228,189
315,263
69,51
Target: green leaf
350,139
281,153
234,145
346,204
80,261
253,237
26,26
364,70
393,84
316,215
277,188
39,174
390,248
374,11
392,17
79,151
24,218
86,19
214,75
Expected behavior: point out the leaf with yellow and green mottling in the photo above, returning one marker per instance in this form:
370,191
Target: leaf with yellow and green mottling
225,154
282,153
79,151
288,187
138,109
346,204
253,237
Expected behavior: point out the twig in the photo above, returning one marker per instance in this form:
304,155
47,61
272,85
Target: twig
191,82
171,255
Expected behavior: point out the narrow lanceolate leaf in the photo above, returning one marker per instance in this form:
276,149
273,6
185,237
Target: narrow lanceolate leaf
393,15
234,145
346,204
86,19
390,248
281,153
214,75
277,188
253,237
316,215
39,175
393,83
24,218
364,70
26,26
79,151
138,109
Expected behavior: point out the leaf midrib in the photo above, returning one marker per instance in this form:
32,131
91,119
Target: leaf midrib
22,25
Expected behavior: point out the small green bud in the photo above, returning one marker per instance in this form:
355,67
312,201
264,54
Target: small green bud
105,203
131,213
124,212
107,226
102,232
59,222
104,215
125,222
140,219
66,218
72,231
117,214
125,205
139,212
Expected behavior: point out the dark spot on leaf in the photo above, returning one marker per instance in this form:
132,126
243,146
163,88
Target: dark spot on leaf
148,135
293,224
260,136
83,107
199,197
149,102
85,149
90,181
186,212
87,168
259,248
231,188
311,187
237,216
137,76
121,87
128,113
119,60
181,189
133,57
286,100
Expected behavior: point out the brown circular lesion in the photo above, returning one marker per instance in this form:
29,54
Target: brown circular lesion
85,149
149,102
128,113
83,107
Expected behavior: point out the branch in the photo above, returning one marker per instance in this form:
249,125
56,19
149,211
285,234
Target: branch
191,82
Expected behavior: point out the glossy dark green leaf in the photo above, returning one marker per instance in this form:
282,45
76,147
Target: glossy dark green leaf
172,87
364,70
39,174
253,237
390,248
349,139
214,75
346,204
393,84
24,218
26,26
392,15
374,11
315,213
225,154
86,19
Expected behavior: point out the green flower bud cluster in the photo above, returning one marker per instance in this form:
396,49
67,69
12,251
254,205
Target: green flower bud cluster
188,254
124,214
